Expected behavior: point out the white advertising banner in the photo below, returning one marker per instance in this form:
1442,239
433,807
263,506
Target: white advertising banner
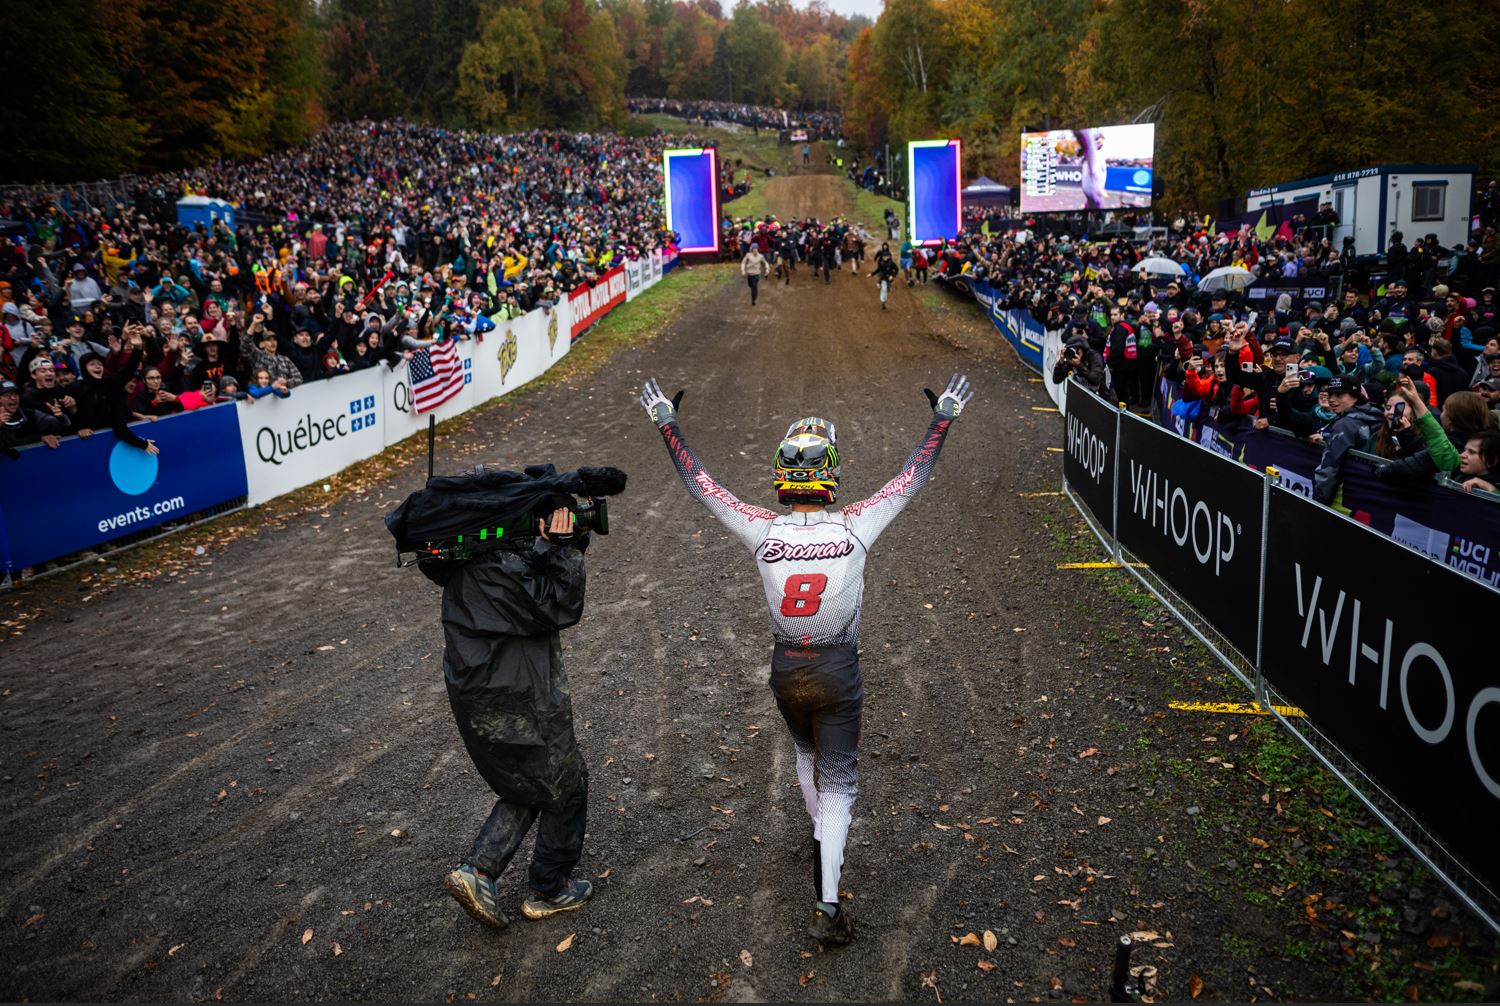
655,266
520,351
1052,344
321,428
325,426
636,271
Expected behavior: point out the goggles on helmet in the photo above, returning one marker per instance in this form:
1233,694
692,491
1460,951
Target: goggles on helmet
806,466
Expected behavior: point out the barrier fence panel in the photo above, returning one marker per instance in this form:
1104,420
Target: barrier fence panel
1373,640
88,491
1377,644
1089,453
591,303
322,428
1458,528
1195,518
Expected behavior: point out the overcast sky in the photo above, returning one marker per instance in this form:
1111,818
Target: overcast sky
869,8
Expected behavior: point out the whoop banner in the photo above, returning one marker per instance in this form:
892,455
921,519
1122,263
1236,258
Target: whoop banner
690,178
1089,452
1195,521
1379,646
935,190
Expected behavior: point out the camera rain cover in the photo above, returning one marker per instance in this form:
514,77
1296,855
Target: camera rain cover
483,498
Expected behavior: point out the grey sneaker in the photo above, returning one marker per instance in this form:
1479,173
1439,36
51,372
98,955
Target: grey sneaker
572,896
475,895
834,931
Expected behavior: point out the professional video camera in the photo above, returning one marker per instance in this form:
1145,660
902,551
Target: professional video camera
455,518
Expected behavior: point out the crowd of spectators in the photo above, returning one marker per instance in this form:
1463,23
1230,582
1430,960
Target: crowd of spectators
818,125
362,246
1400,359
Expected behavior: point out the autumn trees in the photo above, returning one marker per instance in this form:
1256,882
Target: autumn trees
125,86
1243,93
103,88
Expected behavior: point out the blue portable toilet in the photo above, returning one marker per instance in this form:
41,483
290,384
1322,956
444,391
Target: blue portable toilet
203,210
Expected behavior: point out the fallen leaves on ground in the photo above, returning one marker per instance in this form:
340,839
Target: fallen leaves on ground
175,948
1087,753
969,940
567,943
32,920
495,981
929,981
1195,986
984,965
991,941
337,949
307,936
746,959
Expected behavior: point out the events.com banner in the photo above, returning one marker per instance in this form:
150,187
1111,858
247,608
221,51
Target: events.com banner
89,491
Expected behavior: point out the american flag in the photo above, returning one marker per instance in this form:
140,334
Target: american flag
437,375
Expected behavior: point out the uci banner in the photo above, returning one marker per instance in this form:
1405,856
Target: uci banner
1194,517
1088,452
1379,646
89,491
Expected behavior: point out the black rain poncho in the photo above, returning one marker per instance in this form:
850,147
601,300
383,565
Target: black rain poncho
503,667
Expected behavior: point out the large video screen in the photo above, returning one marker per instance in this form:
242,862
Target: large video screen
690,176
934,190
1098,168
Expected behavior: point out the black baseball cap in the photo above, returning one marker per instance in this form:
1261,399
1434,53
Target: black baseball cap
9,387
1346,385
1283,346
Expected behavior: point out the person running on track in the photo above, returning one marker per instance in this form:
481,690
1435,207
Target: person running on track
811,564
883,259
884,272
906,250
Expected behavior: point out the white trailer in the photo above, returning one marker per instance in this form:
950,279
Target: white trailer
1372,203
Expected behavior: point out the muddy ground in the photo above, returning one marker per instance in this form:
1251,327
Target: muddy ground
243,782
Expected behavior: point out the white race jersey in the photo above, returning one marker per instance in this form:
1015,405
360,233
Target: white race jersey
811,564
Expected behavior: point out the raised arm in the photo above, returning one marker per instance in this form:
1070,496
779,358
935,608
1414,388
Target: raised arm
868,518
750,524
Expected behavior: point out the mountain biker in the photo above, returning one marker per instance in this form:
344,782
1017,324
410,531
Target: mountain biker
811,563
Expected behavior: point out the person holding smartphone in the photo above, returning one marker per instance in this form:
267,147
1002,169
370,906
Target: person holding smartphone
1412,438
206,395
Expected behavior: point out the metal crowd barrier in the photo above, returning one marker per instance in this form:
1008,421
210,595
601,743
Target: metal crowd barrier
1372,640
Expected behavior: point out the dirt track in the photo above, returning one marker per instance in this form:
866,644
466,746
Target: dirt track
198,772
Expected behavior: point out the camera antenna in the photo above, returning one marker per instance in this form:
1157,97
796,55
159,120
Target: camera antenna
431,440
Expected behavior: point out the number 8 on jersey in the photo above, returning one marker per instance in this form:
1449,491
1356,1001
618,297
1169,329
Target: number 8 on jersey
803,594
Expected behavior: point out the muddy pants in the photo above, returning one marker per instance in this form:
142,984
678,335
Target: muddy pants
821,695
558,807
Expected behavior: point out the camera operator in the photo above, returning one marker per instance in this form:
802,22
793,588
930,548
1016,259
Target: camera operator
1078,357
503,666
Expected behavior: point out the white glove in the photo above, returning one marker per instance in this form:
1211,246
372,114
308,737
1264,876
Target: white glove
953,399
661,409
